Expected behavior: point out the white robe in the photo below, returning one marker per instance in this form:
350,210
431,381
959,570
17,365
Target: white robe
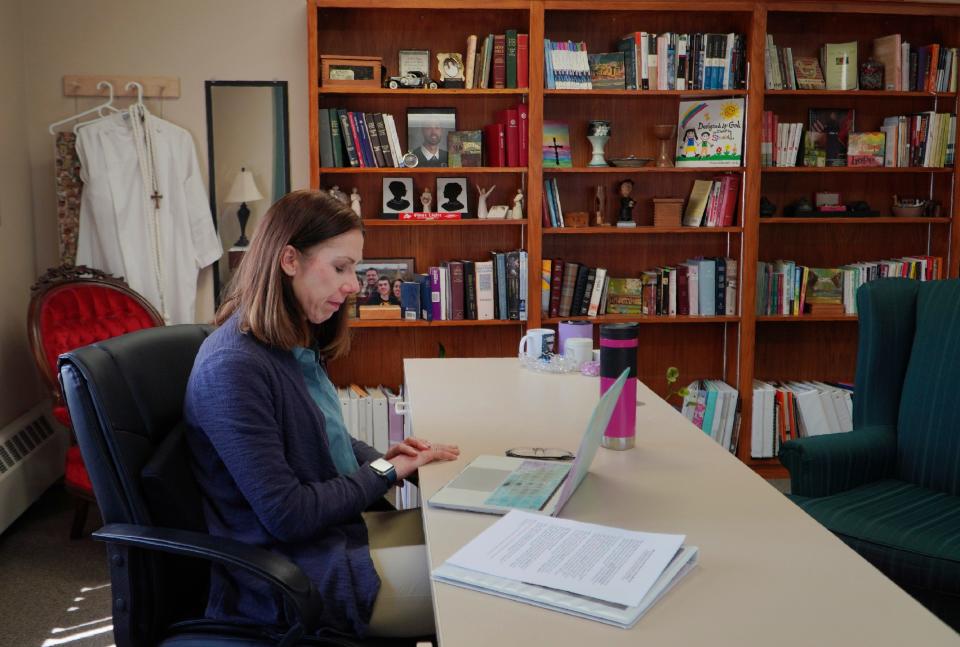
117,235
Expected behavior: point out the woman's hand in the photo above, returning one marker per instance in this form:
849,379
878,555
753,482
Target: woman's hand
409,455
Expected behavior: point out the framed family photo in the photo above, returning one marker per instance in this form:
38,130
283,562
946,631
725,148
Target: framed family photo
380,280
427,130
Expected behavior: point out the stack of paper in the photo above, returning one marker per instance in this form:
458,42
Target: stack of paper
595,572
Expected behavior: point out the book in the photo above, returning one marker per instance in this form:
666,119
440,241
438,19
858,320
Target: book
607,71
808,74
510,38
471,62
825,286
697,203
556,145
465,148
498,75
511,133
410,300
866,149
839,63
523,60
495,144
553,580
830,131
483,271
710,133
886,50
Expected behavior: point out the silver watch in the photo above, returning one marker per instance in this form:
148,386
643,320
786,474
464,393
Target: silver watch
385,469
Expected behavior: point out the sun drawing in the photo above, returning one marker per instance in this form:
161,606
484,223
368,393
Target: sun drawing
730,110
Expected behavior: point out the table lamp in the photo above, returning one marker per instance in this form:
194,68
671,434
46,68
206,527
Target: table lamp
243,190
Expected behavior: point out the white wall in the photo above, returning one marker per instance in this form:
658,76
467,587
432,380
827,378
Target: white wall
20,385
195,40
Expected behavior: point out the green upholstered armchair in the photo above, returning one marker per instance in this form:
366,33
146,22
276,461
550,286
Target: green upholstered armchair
891,488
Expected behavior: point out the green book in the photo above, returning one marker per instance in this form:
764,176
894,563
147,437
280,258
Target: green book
511,58
336,138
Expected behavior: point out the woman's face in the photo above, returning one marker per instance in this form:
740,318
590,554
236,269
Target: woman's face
396,287
324,275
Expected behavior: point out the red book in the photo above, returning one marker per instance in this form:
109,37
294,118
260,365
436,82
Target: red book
495,145
683,290
499,61
545,220
523,61
729,188
523,128
511,131
556,282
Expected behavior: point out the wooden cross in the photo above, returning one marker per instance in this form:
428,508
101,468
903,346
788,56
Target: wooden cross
156,197
556,150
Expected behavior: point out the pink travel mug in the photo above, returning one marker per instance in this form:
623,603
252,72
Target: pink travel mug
618,351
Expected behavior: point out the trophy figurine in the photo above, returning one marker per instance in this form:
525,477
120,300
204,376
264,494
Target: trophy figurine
598,132
664,133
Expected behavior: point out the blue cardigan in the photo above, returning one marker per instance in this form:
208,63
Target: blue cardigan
262,460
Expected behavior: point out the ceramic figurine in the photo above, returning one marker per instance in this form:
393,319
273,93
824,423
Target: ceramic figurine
336,193
517,212
355,202
426,199
482,212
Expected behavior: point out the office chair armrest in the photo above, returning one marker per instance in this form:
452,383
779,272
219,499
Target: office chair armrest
276,569
824,465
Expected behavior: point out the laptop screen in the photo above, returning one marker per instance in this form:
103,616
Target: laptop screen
591,440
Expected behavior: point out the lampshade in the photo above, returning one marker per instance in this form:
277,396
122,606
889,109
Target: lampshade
244,189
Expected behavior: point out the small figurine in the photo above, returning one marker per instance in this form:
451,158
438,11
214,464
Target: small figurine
426,199
355,201
517,212
625,218
482,201
600,205
335,192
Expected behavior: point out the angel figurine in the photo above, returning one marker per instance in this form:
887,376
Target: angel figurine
517,212
355,201
336,193
482,201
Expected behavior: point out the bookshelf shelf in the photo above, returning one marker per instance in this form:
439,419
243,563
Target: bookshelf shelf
858,170
641,319
393,323
803,318
883,220
628,170
638,231
385,92
469,222
651,94
848,94
446,170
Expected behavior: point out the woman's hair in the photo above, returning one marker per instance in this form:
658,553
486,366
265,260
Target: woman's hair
262,293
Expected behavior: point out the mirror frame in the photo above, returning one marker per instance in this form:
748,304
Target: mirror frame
208,91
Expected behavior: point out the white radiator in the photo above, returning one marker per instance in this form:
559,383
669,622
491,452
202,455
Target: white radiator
32,453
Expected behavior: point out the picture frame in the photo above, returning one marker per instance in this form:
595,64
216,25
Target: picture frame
350,71
427,131
414,60
397,196
370,271
452,195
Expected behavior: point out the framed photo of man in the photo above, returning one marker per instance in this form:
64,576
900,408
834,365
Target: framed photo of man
427,130
452,195
397,196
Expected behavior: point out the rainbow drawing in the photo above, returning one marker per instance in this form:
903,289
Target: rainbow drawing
694,110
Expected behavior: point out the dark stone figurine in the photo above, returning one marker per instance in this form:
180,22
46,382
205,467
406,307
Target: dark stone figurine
626,204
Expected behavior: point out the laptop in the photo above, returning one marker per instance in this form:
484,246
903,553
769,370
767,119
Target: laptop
498,484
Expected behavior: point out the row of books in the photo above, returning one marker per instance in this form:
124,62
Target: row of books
712,203
712,405
677,61
697,287
370,415
358,139
466,289
785,411
499,61
787,288
924,139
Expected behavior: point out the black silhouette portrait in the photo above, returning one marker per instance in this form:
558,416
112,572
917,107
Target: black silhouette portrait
451,192
399,191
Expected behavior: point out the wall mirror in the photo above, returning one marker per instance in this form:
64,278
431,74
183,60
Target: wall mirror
249,159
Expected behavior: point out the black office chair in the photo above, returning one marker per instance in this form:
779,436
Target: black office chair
125,397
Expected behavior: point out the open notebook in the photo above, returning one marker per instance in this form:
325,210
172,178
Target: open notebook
498,484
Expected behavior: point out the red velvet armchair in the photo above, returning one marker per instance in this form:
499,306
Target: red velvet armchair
72,306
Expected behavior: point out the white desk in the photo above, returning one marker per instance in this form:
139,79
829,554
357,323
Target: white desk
768,573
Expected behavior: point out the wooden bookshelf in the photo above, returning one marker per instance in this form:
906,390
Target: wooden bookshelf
737,348
464,323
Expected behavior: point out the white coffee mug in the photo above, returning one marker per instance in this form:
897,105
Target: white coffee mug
537,343
579,349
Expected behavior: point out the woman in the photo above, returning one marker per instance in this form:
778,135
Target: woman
396,286
270,450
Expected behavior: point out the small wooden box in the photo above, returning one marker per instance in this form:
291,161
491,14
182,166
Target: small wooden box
350,71
576,219
667,212
379,312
